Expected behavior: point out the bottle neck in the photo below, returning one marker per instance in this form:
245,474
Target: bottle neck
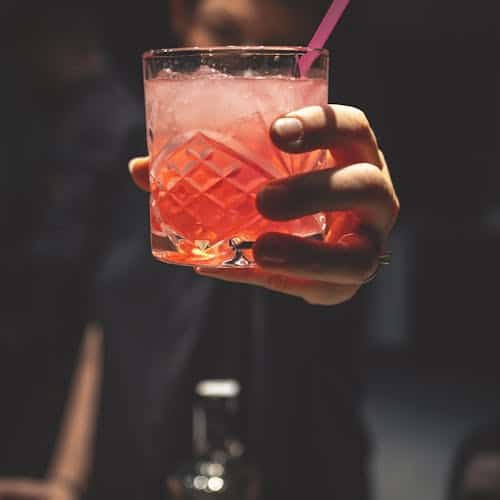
215,427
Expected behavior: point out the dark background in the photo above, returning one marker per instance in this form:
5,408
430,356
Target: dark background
427,75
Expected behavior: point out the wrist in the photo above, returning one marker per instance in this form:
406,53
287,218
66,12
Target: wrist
73,486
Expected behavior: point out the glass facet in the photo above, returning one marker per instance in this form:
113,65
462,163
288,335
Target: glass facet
208,114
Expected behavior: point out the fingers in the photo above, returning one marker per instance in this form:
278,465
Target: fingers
363,185
139,170
351,261
363,188
344,130
318,273
314,292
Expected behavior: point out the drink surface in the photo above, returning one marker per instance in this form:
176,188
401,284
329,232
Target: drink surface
208,135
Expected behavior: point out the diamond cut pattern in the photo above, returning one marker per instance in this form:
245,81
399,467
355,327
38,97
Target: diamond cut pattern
212,183
212,213
248,178
203,177
226,194
183,192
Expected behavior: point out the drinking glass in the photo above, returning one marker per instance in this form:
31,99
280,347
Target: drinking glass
208,116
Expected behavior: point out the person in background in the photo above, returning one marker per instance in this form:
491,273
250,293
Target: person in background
68,126
219,22
165,328
70,463
301,392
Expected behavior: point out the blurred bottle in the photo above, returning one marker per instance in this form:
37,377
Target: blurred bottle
218,468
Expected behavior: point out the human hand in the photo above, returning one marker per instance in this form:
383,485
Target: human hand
356,192
35,489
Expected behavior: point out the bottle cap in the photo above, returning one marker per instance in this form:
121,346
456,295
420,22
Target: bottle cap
219,388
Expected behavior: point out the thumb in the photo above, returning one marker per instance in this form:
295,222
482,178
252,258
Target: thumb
139,170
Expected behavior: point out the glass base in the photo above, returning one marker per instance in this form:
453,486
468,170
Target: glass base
228,253
231,253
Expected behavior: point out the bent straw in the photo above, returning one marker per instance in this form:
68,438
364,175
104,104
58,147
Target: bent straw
323,33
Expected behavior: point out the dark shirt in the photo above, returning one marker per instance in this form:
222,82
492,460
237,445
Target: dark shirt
165,328
61,159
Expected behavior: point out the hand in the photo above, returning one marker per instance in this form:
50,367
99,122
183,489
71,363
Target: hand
357,187
35,489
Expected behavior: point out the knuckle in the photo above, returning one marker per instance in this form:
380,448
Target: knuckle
394,209
396,205
366,266
320,298
376,186
330,296
379,193
313,300
361,125
347,294
359,116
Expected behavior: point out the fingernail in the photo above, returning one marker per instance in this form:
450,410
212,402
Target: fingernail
289,129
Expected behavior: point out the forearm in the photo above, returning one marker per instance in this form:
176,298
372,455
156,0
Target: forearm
71,460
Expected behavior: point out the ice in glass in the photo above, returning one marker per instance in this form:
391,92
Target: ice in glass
208,116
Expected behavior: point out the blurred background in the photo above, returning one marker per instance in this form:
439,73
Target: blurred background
427,75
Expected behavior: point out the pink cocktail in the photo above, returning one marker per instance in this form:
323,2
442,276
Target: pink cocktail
208,116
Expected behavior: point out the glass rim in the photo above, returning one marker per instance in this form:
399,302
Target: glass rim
267,50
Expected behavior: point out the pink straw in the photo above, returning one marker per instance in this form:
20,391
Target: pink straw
323,33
